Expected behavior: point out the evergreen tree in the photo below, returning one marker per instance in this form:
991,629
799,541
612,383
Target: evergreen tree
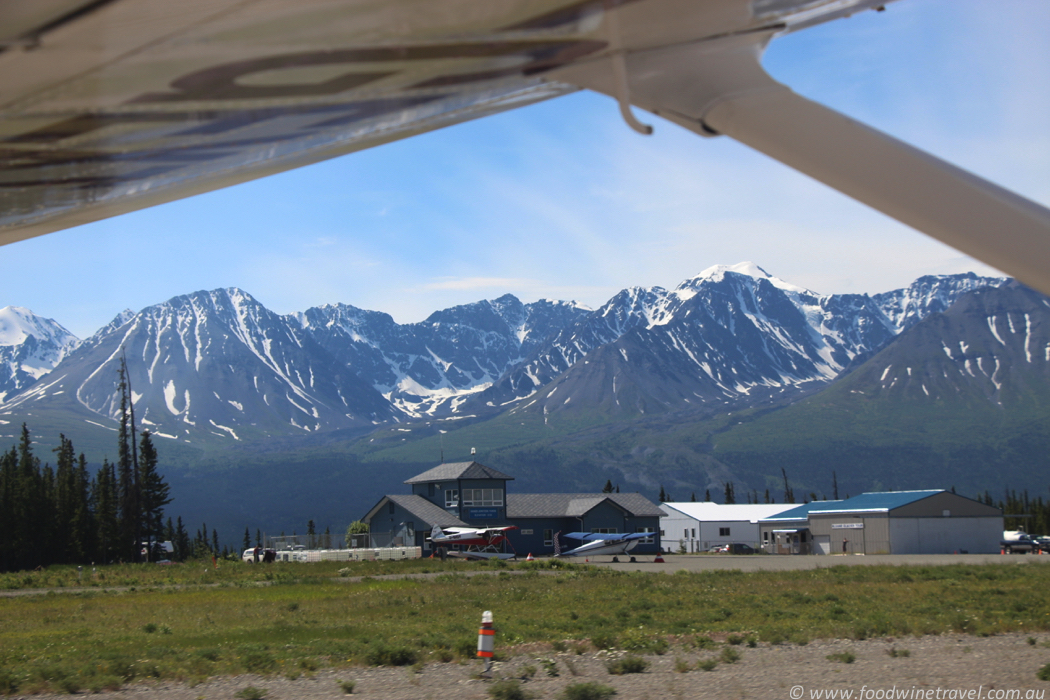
789,493
128,481
247,539
730,493
707,495
105,498
311,532
258,537
608,488
153,494
692,497
834,486
663,495
183,546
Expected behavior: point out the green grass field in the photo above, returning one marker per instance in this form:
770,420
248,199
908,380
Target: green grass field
293,619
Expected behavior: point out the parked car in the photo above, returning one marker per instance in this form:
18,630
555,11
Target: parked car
737,548
265,555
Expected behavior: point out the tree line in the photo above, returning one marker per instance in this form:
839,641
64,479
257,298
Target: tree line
65,515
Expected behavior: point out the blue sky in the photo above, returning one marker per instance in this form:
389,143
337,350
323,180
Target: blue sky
562,200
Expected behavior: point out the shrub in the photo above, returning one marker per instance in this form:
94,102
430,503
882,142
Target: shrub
550,666
251,693
735,639
896,653
508,689
383,655
707,664
150,627
604,641
1043,674
703,642
681,666
729,655
587,691
261,662
8,682
628,664
347,687
845,657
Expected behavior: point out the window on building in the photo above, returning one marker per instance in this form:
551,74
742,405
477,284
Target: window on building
685,532
392,507
723,532
548,538
482,497
451,498
526,532
646,540
662,533
765,536
604,530
694,533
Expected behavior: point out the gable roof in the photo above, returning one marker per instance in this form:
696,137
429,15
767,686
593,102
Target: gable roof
707,511
420,508
458,470
575,505
883,501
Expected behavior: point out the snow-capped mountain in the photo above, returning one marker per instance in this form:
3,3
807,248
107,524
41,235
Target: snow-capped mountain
214,364
30,347
220,364
717,336
430,368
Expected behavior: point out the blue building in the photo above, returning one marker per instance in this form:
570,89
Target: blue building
468,494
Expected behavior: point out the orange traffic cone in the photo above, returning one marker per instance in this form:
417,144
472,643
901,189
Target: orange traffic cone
529,558
659,559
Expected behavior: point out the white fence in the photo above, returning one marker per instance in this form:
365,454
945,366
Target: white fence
377,554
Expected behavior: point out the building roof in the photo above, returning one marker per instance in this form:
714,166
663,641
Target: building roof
802,512
420,508
575,505
458,470
883,501
708,511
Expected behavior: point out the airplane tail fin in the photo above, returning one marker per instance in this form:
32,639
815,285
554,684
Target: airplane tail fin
436,532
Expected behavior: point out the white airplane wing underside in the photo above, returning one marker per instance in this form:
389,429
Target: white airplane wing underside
107,106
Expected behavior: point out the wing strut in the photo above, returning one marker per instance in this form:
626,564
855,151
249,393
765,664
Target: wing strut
718,86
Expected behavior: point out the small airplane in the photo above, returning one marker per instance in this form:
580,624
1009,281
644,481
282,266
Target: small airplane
478,543
470,536
596,543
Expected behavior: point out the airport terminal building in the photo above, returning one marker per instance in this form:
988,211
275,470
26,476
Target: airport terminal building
471,495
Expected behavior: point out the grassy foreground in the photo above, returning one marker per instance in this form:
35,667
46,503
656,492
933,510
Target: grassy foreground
304,620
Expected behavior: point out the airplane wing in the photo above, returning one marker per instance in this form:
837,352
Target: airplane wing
608,536
107,106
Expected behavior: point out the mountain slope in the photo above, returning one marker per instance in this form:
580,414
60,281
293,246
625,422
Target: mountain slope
30,347
212,365
429,368
956,399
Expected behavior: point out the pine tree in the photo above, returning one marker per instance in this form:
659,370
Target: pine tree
608,488
692,497
247,538
128,481
707,495
730,493
105,498
153,495
834,486
663,495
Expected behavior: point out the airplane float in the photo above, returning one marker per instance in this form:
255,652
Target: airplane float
107,106
479,543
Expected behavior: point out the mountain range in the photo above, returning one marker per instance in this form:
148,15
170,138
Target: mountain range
655,388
